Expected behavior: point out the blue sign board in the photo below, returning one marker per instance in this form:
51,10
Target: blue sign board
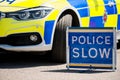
91,48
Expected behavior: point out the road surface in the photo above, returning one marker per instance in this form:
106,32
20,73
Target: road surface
33,67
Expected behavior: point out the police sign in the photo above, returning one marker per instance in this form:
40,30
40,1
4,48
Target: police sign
91,48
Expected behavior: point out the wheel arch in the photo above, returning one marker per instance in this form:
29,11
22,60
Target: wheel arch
75,22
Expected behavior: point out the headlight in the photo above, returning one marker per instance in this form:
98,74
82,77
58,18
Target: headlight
24,15
30,14
38,14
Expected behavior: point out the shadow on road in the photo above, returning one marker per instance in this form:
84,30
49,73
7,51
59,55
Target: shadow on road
22,60
118,45
77,71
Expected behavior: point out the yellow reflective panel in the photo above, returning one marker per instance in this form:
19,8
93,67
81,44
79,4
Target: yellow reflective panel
85,21
20,4
118,6
11,26
96,7
95,3
111,21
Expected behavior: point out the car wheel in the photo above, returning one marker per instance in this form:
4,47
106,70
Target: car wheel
59,43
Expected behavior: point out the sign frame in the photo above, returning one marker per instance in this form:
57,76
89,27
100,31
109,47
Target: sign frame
91,66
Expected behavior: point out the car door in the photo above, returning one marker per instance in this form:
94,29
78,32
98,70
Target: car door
111,11
100,13
118,14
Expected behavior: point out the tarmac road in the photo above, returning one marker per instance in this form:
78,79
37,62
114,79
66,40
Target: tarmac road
33,67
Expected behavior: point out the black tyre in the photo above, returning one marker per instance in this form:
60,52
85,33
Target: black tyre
118,44
59,44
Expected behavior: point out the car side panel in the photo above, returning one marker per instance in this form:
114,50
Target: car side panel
92,12
118,13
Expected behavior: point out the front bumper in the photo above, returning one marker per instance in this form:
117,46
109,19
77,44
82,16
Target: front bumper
21,39
22,42
15,35
40,47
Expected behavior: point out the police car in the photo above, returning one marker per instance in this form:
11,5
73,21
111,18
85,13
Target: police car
40,25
